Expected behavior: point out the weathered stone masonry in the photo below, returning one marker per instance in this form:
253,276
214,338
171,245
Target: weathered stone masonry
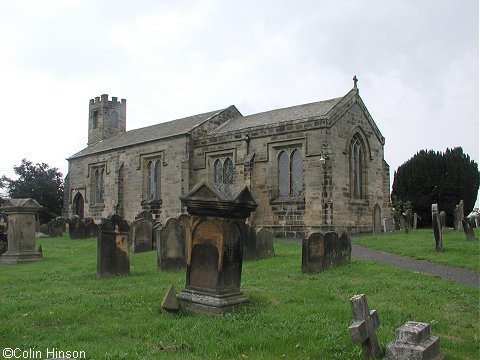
261,147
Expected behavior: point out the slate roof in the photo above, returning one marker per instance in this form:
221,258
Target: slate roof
316,109
149,133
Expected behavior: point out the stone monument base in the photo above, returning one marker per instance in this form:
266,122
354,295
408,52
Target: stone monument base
210,303
16,257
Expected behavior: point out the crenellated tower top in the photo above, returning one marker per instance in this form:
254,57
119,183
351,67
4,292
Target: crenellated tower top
106,118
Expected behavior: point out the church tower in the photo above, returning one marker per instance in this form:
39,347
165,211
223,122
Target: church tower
105,118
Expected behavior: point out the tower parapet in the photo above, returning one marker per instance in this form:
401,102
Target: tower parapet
106,118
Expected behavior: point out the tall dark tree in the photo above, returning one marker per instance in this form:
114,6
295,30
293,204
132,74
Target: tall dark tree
434,177
39,182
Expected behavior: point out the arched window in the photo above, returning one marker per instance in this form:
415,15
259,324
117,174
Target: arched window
153,179
218,172
228,171
296,180
99,185
283,175
357,176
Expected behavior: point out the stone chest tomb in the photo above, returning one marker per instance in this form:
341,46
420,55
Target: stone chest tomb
21,231
214,246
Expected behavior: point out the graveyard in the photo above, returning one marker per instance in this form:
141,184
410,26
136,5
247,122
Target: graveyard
59,302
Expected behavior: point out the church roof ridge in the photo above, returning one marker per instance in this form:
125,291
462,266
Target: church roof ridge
149,133
275,116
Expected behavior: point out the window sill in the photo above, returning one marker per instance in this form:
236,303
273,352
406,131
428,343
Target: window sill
152,202
361,202
288,200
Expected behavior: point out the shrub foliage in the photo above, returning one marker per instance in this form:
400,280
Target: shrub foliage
434,177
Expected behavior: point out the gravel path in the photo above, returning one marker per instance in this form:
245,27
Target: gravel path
460,275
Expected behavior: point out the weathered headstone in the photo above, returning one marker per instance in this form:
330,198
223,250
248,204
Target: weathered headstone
3,242
320,252
264,243
112,247
376,220
249,243
44,229
413,342
171,245
388,225
170,302
458,215
362,330
21,231
214,246
467,229
57,226
76,228
142,235
91,228
443,220
415,221
437,230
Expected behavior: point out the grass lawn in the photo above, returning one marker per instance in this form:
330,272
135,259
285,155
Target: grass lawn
59,303
420,244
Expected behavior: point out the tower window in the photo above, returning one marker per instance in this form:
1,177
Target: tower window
95,119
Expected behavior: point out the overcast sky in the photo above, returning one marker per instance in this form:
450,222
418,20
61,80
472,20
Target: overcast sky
417,62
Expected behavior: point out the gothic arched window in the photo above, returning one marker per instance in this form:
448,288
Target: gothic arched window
218,172
153,179
296,166
99,185
228,171
283,175
357,171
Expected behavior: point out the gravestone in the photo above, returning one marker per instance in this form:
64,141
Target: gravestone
467,229
477,222
3,222
214,246
171,245
44,229
249,243
437,230
362,330
458,215
57,226
320,252
415,221
91,229
76,228
142,235
264,243
170,302
21,231
413,342
112,247
388,225
443,220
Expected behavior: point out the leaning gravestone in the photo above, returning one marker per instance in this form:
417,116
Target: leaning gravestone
76,228
437,230
413,342
170,245
362,330
91,228
142,235
21,231
467,229
214,246
112,247
264,243
388,225
320,252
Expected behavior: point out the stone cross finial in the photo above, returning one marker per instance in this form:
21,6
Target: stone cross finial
362,330
355,80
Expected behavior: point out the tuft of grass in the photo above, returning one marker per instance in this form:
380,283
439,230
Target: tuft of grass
59,303
420,244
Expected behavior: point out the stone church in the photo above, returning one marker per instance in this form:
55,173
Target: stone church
310,167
